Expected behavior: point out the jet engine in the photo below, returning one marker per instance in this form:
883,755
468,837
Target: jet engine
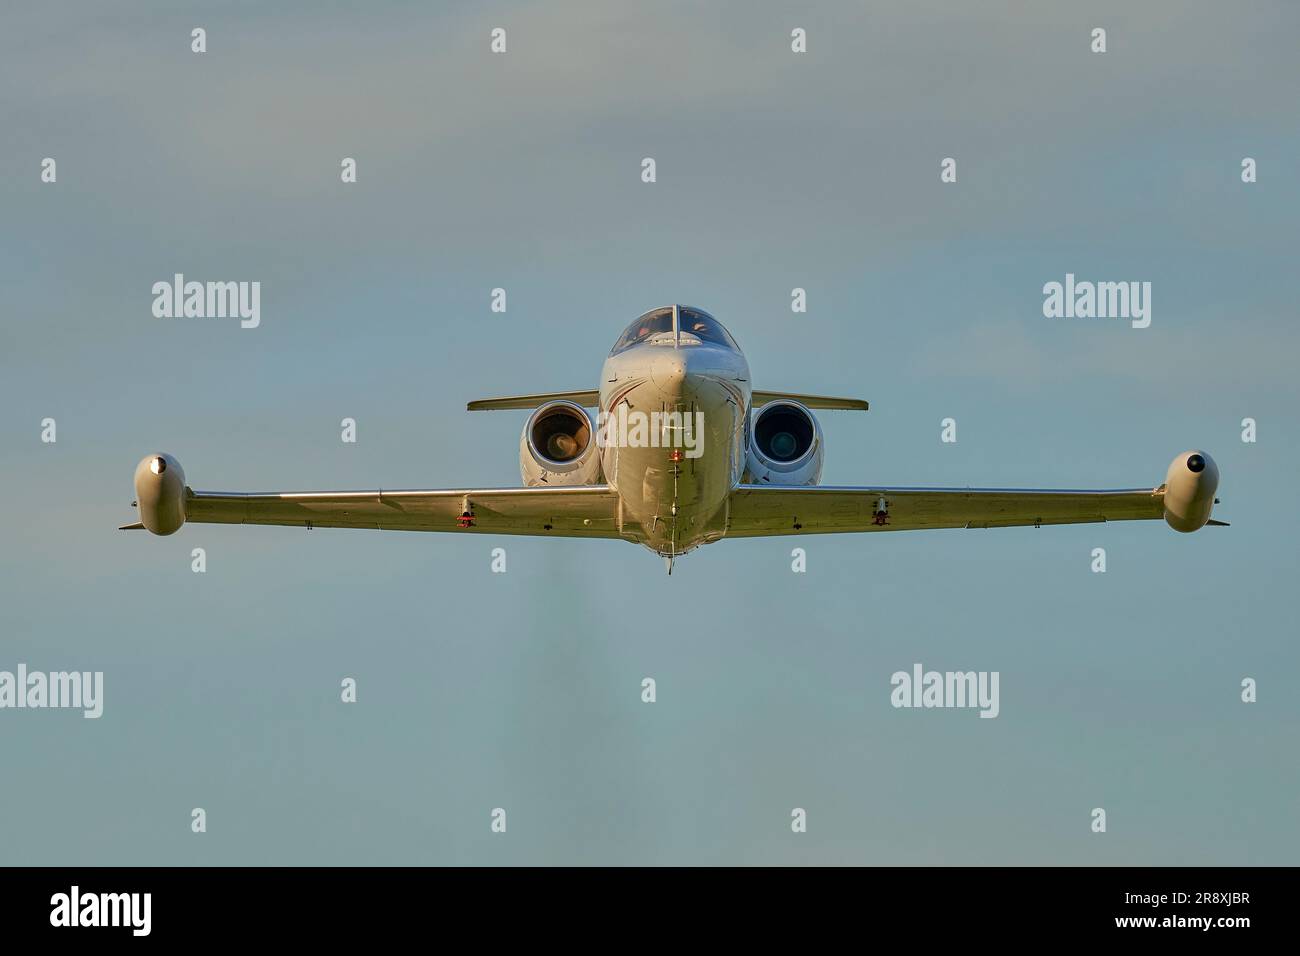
558,447
160,493
785,445
1190,485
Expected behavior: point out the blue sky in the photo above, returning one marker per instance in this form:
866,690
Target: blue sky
521,171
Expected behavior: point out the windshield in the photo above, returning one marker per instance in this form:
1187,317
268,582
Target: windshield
694,322
652,323
706,328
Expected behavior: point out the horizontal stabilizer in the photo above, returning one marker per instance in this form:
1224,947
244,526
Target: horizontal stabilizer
813,401
588,398
1218,524
132,527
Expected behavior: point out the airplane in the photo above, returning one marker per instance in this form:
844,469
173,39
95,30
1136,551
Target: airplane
682,452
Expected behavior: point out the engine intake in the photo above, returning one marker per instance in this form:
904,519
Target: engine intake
557,447
785,445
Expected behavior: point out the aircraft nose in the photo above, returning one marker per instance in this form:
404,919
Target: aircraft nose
669,374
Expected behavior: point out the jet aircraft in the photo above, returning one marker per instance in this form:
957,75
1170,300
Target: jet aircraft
682,451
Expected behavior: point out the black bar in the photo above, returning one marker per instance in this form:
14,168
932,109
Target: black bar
213,905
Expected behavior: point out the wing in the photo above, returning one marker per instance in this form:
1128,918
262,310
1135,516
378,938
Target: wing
758,510
588,511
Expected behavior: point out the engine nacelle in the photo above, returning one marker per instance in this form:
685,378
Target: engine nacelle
558,447
160,493
1190,484
785,445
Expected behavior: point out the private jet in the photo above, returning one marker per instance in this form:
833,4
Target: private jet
682,452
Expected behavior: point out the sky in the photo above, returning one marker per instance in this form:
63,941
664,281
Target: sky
774,170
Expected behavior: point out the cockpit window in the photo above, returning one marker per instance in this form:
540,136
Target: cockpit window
652,323
705,328
693,322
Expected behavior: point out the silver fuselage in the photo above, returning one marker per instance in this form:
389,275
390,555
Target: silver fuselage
672,503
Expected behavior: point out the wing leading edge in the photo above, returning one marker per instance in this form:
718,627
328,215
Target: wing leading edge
589,511
759,510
